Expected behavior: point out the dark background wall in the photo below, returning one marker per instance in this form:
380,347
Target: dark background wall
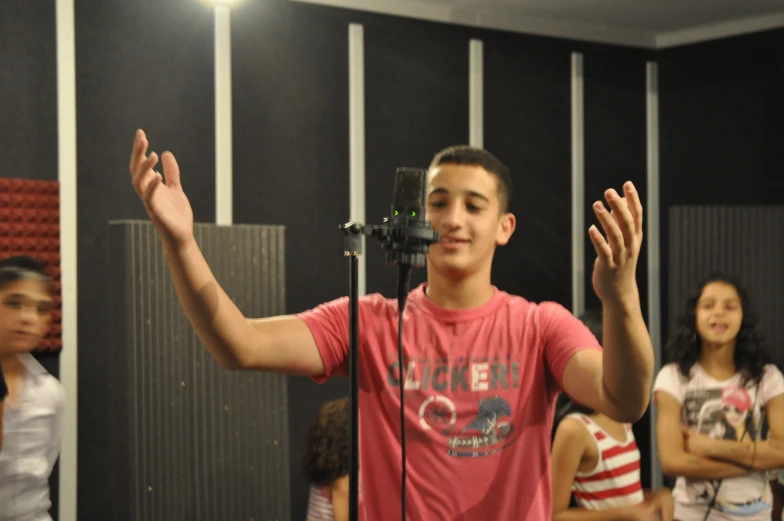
719,112
145,64
720,126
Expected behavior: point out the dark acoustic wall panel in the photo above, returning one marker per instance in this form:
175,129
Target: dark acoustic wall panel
615,143
743,241
290,136
720,125
191,440
143,64
527,114
28,88
615,152
416,103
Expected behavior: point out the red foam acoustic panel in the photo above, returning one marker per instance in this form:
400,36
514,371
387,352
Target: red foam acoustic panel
30,225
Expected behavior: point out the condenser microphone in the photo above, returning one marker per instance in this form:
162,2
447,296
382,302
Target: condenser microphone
405,235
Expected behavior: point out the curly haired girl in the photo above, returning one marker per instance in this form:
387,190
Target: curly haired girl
326,462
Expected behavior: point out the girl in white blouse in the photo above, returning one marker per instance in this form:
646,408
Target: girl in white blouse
33,409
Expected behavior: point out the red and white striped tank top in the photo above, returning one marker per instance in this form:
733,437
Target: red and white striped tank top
615,481
319,505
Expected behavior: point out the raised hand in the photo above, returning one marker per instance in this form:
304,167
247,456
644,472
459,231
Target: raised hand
614,272
165,202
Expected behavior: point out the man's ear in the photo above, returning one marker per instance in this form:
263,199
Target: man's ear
506,227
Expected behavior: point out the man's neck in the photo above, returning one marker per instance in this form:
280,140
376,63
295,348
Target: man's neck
467,293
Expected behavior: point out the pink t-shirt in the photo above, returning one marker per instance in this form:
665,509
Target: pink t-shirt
480,387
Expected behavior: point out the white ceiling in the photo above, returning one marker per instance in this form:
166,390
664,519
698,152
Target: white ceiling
652,24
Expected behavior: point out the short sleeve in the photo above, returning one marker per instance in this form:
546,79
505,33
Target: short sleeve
563,335
771,385
328,324
671,381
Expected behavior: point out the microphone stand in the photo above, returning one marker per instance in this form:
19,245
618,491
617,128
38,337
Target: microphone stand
353,249
406,242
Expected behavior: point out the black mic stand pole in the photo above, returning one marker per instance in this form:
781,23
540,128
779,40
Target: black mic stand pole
353,249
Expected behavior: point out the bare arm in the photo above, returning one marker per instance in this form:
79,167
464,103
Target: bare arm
570,444
620,385
759,455
674,459
340,501
627,361
584,376
281,344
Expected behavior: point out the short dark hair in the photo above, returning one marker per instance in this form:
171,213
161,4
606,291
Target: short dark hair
21,267
468,155
328,444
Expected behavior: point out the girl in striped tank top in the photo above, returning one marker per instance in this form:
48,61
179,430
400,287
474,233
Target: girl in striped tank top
326,462
596,465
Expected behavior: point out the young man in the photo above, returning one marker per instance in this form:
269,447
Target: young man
482,368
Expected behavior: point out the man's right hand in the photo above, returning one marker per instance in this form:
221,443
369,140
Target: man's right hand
165,202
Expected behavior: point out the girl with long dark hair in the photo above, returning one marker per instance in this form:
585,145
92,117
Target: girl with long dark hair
720,407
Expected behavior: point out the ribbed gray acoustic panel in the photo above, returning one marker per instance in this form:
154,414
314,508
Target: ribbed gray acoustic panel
191,441
747,241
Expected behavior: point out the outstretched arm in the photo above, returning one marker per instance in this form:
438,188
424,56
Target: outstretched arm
280,344
617,381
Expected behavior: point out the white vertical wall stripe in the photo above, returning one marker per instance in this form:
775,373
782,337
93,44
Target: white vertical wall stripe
652,235
224,177
66,171
578,187
476,93
356,133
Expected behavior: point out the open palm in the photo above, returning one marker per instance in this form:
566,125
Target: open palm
166,203
614,272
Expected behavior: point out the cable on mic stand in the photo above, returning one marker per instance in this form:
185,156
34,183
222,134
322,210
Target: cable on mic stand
406,238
